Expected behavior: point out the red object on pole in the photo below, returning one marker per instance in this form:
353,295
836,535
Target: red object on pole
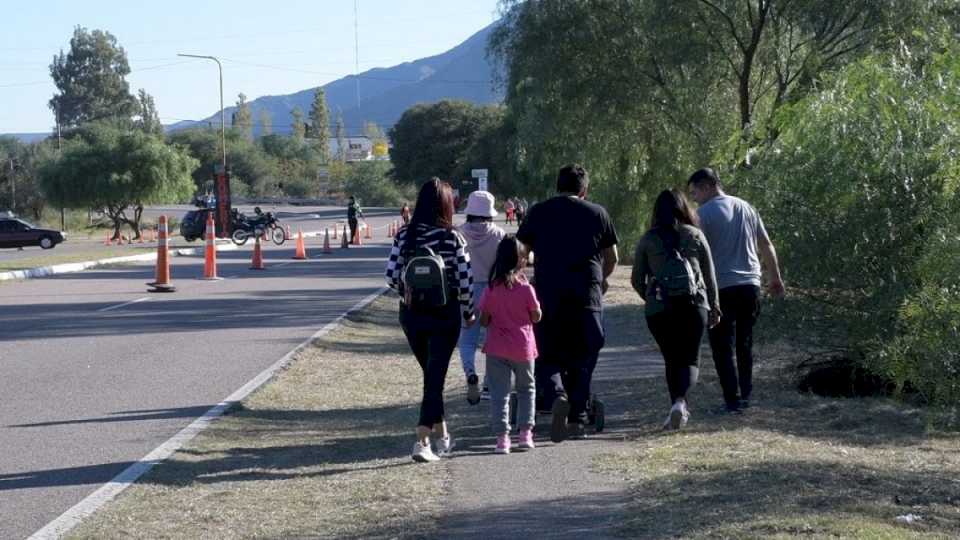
162,282
210,254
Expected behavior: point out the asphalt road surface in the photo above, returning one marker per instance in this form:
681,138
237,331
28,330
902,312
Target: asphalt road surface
95,372
309,218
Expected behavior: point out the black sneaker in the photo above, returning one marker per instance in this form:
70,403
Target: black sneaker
473,389
743,404
558,424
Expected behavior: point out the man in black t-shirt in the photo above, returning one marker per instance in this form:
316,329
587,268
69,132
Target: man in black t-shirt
353,215
575,249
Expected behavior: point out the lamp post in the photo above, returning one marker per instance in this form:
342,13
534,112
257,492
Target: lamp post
223,128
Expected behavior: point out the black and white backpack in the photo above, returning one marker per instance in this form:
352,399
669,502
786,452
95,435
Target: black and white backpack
424,277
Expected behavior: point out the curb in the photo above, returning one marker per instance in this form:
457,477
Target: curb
67,268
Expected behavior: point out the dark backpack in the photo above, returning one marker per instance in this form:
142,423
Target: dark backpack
424,278
676,283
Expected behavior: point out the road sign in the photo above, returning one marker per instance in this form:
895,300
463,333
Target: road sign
478,173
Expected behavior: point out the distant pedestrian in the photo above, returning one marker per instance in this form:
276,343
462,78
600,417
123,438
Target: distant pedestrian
575,248
509,208
522,207
673,273
739,242
430,267
482,238
354,214
405,214
509,309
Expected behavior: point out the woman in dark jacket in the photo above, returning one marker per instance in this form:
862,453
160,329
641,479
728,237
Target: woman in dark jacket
676,320
433,331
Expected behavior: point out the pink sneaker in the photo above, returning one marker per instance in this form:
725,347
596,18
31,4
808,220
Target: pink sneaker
525,440
503,444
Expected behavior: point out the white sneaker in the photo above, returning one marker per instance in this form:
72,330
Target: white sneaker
445,446
423,453
678,415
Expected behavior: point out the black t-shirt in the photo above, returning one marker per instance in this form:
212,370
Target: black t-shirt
567,235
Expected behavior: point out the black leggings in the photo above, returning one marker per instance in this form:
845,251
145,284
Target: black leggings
678,333
432,338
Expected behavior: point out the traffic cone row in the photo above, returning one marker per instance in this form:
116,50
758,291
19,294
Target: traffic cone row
301,252
162,281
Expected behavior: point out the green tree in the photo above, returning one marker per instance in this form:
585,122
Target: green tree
91,80
299,129
19,177
341,135
320,125
266,122
435,139
119,171
243,118
148,119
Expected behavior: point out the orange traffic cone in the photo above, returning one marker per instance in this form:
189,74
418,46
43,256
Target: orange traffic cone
257,263
286,233
369,231
210,254
326,241
357,239
344,244
162,282
301,252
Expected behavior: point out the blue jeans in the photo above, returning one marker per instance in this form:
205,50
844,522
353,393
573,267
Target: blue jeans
500,370
471,338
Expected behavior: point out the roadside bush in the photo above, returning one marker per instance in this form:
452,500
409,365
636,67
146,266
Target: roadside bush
368,181
861,196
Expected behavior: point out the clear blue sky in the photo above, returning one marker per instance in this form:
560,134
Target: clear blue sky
297,44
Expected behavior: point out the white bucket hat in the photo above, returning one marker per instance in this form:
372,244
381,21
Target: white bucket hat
480,203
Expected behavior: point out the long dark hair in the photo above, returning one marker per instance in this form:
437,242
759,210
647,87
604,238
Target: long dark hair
434,206
504,269
672,210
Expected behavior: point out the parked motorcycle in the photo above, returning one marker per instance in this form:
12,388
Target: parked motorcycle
246,227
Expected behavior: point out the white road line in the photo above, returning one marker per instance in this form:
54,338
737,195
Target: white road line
118,306
96,500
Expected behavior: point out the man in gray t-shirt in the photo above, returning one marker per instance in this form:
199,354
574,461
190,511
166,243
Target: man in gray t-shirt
738,242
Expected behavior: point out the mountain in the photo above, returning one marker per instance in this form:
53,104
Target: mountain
462,73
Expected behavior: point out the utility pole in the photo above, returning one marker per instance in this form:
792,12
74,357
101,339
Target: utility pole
223,124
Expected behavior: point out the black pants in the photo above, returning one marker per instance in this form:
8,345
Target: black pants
353,229
569,344
432,337
679,333
740,306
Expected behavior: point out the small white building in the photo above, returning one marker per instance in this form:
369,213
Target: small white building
357,149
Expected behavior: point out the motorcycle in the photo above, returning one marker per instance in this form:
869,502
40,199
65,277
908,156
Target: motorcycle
245,227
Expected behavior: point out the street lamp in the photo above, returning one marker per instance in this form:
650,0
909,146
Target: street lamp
223,129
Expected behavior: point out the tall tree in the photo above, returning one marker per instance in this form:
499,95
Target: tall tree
341,134
119,170
243,118
320,125
148,119
91,80
299,129
266,122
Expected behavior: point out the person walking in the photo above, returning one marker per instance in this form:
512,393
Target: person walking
482,238
738,242
509,309
574,244
509,208
673,272
435,297
405,214
354,214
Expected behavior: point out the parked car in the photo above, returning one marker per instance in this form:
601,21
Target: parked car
194,224
17,233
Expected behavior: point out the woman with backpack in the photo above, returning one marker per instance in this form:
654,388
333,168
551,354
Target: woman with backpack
673,272
430,268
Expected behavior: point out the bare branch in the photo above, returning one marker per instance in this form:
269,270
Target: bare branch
729,21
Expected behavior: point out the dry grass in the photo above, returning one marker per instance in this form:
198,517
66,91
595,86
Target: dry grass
321,451
50,258
793,466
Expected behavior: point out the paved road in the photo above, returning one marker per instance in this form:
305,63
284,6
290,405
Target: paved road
95,373
306,217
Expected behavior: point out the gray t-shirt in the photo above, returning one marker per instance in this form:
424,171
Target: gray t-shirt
732,228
